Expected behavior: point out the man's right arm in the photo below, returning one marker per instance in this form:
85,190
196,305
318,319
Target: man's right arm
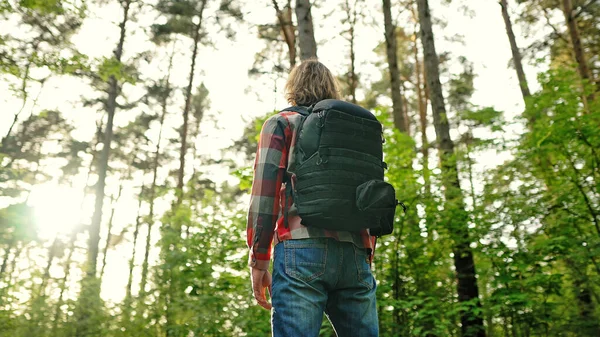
269,168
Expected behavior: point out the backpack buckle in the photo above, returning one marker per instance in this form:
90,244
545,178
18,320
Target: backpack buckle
321,122
320,160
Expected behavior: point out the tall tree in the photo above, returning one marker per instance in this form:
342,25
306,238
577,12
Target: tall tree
578,52
306,33
188,99
114,88
516,53
456,218
580,58
89,312
422,102
394,72
162,95
183,18
351,19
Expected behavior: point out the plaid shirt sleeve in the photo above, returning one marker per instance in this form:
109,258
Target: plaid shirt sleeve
269,168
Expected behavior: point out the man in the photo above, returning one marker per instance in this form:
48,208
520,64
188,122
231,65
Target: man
314,270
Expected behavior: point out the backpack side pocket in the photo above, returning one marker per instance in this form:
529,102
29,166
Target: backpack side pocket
378,198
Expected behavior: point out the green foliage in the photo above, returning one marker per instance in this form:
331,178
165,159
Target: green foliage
112,68
17,223
548,201
43,6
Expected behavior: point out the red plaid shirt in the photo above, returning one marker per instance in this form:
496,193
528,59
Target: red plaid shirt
274,158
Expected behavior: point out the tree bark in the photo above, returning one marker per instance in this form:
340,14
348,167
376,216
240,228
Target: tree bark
516,54
63,286
582,66
405,105
421,97
287,30
111,107
7,251
392,59
138,221
306,34
164,105
352,77
19,248
108,232
578,52
186,109
471,320
46,275
89,300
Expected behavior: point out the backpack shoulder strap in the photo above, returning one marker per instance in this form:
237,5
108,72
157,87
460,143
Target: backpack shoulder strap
303,110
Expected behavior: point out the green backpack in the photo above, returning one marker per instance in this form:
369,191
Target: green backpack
339,170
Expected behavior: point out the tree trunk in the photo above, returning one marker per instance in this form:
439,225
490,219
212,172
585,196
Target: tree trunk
287,30
470,170
516,54
405,104
352,77
38,299
471,320
46,275
176,226
11,244
111,106
589,323
164,105
108,232
63,286
87,312
421,97
392,59
306,34
186,109
138,221
19,248
396,286
582,65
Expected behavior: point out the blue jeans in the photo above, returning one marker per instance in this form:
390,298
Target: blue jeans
313,276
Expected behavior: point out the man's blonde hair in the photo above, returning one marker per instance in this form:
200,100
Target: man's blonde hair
309,82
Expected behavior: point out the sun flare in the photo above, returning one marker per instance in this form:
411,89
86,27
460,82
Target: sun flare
57,209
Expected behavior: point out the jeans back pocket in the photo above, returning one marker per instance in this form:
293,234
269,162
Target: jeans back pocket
305,259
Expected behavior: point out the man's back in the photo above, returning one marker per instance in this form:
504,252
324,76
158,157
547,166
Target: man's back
315,270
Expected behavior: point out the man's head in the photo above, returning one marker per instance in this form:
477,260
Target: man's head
310,82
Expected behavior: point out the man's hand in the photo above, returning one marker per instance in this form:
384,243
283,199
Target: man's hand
261,279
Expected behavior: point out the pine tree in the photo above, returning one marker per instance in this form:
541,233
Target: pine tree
454,208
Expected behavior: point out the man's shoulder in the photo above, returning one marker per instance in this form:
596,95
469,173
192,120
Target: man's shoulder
286,118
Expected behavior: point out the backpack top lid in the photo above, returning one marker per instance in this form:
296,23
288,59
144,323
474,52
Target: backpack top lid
335,104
